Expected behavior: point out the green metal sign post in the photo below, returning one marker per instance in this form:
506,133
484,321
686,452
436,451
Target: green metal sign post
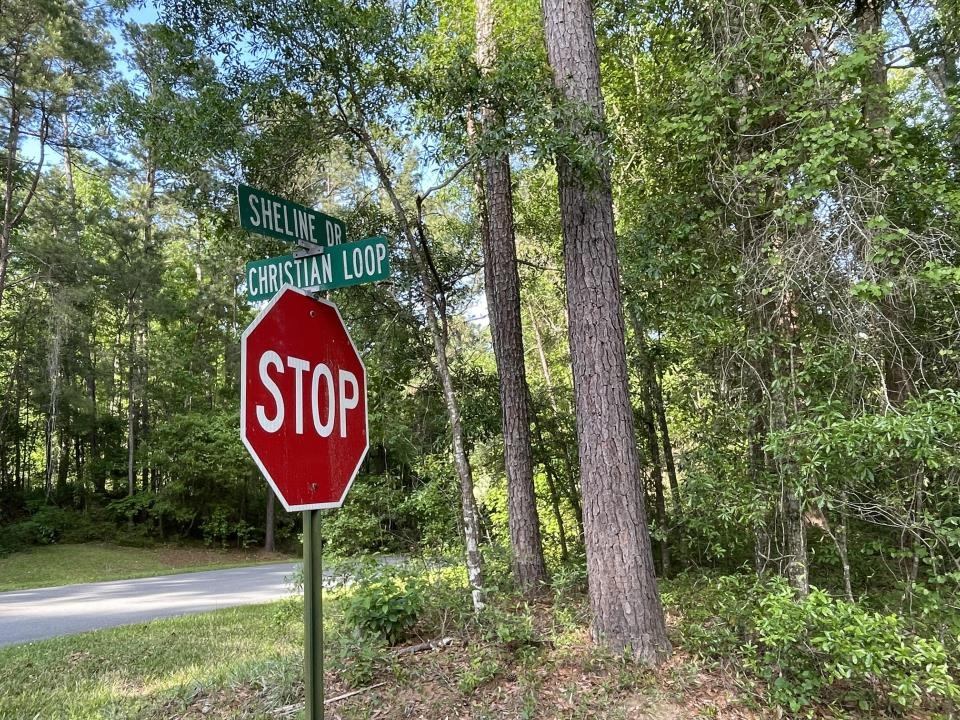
312,615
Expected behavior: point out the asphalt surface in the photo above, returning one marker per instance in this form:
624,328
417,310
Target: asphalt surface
30,615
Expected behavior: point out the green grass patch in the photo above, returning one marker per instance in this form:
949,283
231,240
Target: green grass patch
239,663
51,565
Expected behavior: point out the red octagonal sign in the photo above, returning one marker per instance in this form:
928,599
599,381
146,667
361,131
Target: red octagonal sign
303,400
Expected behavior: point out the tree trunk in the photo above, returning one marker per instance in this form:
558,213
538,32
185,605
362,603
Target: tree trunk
624,600
503,303
13,216
656,479
12,145
555,501
756,470
131,400
433,294
144,425
468,503
787,360
143,325
63,461
93,466
653,398
796,542
557,515
53,409
869,22
656,391
68,162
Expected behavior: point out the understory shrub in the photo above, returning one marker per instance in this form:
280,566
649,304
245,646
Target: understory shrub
223,529
357,657
50,524
802,649
818,651
385,602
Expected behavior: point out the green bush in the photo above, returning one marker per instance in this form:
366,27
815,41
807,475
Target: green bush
386,602
715,611
448,602
19,536
513,628
132,508
810,653
49,524
803,649
570,579
221,527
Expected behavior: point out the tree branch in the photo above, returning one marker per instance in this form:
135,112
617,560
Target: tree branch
456,173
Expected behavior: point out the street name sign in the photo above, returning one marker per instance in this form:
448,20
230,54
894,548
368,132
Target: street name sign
275,217
303,400
339,266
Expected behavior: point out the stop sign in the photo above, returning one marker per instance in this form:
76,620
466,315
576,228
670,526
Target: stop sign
303,400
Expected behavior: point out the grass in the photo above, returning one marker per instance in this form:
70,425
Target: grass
52,565
163,669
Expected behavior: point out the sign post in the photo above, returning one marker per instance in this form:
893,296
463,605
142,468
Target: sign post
303,418
312,615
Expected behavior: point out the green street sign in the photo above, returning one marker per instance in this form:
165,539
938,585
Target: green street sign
338,266
269,215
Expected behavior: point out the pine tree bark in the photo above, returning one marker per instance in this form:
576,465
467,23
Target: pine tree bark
503,304
624,600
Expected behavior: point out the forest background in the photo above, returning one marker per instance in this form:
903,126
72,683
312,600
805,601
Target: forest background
784,181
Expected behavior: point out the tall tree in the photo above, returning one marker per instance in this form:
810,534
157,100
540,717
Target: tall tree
502,283
624,599
49,51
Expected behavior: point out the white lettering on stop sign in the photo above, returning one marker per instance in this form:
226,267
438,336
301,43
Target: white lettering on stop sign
346,397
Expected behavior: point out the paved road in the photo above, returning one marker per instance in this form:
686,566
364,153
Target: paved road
29,615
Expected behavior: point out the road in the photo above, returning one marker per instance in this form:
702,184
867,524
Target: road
29,615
